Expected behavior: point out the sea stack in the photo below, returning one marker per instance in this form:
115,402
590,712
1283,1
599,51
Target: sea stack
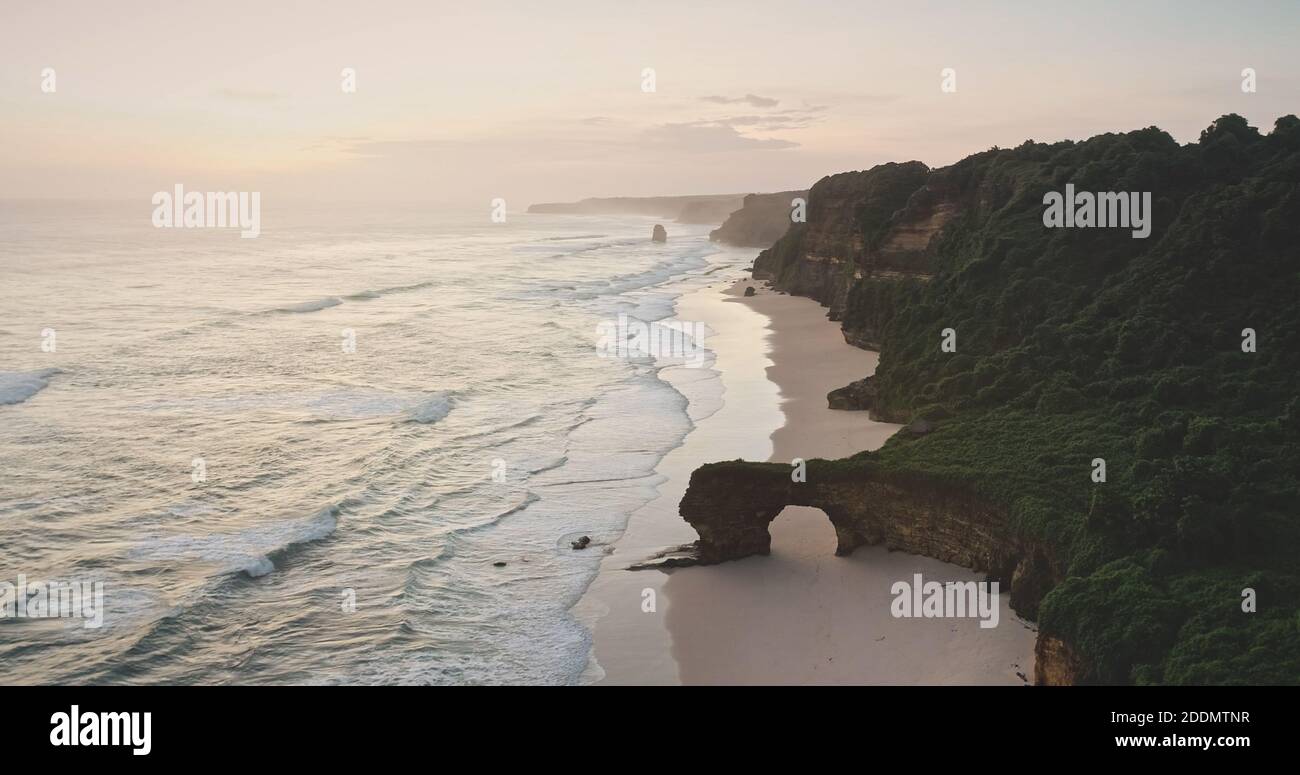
659,234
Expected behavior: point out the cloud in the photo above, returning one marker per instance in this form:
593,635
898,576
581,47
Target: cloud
708,138
786,118
792,119
751,99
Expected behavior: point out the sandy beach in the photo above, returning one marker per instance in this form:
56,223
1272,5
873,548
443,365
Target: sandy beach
800,615
632,644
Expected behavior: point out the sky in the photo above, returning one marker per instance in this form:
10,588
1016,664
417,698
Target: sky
462,103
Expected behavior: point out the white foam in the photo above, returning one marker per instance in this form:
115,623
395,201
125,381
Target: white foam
247,550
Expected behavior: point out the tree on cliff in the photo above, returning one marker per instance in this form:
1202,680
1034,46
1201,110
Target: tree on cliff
1077,344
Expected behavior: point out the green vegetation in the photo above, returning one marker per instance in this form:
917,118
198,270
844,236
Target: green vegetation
1075,344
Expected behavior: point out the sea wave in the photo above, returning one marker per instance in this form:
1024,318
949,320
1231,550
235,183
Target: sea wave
549,464
311,306
414,454
375,294
18,386
456,536
431,409
495,429
252,551
321,406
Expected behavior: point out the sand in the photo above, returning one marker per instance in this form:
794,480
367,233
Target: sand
800,615
631,645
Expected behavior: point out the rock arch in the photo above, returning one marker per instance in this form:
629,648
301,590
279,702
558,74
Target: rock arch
731,504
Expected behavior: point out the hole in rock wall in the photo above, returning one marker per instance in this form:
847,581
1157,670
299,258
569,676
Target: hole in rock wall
802,531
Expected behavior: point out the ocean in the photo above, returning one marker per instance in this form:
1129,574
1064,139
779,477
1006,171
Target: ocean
352,450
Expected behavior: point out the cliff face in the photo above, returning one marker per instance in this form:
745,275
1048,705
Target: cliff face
874,226
1056,663
1021,354
760,221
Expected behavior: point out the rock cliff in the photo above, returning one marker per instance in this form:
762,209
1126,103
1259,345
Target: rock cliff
1057,664
760,222
1068,346
731,504
858,226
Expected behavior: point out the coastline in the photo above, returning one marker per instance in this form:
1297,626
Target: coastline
799,615
630,644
